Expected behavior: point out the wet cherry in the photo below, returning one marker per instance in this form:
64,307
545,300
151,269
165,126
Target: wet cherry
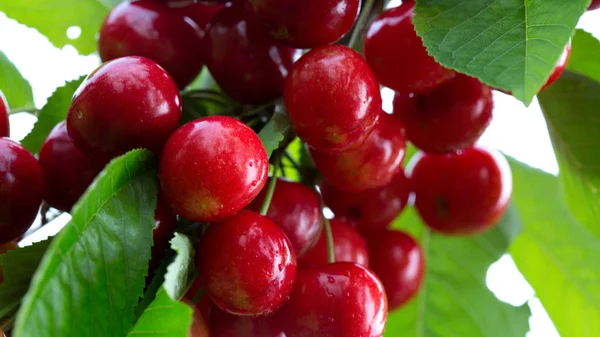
4,110
211,168
223,324
560,66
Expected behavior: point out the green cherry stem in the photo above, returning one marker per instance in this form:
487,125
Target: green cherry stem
272,183
361,23
328,232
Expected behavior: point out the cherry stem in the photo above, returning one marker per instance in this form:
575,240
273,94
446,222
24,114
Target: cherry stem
361,22
330,243
272,183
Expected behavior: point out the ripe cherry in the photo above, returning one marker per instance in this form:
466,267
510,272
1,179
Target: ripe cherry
594,5
165,223
4,110
463,193
151,29
296,209
199,326
211,168
397,259
223,324
21,189
245,61
560,66
306,24
372,164
247,264
125,104
397,55
348,246
5,247
451,117
332,98
370,209
67,171
201,13
336,300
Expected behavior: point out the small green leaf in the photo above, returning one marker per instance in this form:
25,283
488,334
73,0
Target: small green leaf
181,271
15,88
508,44
51,114
164,317
93,273
275,131
584,55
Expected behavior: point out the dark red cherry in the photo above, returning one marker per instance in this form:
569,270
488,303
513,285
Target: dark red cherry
450,118
348,246
372,164
151,29
336,300
21,189
201,13
165,223
332,98
463,193
125,104
397,259
199,327
67,171
223,324
245,61
5,247
211,168
4,110
296,209
397,55
247,264
560,66
370,209
594,5
306,23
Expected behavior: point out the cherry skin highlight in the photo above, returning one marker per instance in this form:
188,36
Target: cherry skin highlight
244,60
463,193
4,110
348,246
296,209
397,55
223,324
306,23
247,264
151,29
372,164
450,118
398,261
336,300
332,98
211,168
560,66
124,104
21,190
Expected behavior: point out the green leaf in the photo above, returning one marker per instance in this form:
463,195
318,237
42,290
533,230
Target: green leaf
51,114
508,44
93,273
164,317
275,131
15,88
584,55
557,256
154,286
181,272
52,18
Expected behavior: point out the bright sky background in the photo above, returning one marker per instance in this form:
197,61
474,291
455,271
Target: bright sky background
516,130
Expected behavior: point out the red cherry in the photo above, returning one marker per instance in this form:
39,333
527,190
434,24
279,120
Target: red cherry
450,118
397,259
246,63
560,66
594,5
397,55
296,209
199,327
370,209
201,13
463,193
348,246
336,300
5,247
165,223
149,28
4,110
211,168
21,190
67,172
306,23
223,324
332,98
373,164
125,104
247,264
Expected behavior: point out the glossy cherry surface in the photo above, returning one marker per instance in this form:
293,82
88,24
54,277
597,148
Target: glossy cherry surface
372,164
560,66
245,61
223,324
165,223
336,300
296,209
201,13
370,209
4,110
348,246
306,23
125,104
397,259
397,55
450,118
151,29
67,171
21,189
463,193
594,5
332,98
247,264
4,247
211,168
